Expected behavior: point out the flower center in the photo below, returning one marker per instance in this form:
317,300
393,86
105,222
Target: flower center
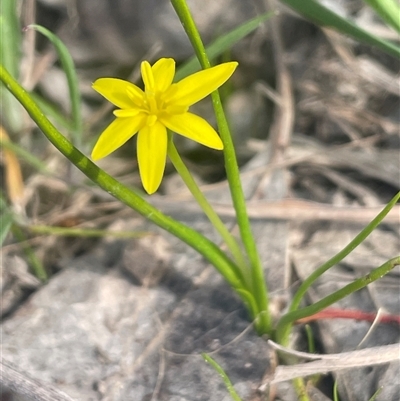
153,106
153,103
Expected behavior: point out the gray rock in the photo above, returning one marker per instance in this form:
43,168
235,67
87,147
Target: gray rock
94,334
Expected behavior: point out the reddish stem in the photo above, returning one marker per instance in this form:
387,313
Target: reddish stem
335,313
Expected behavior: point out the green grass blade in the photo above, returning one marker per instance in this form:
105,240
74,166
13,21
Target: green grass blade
310,339
375,395
26,156
335,391
52,112
284,336
85,232
225,378
347,290
222,44
70,72
7,225
34,262
321,15
10,56
200,198
10,43
3,202
388,10
6,220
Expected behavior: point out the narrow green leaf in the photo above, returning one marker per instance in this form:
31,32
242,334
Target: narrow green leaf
321,15
310,339
35,263
214,219
70,72
335,391
52,112
222,44
10,56
375,395
388,10
6,220
26,156
225,378
284,328
3,202
85,232
316,307
10,49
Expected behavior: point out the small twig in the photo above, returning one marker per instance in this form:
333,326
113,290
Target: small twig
329,363
285,209
282,127
22,384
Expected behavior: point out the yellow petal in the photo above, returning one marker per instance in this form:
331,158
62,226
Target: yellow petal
147,76
197,86
116,91
195,128
127,112
116,134
163,72
152,153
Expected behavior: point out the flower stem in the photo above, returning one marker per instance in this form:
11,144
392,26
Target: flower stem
206,207
263,324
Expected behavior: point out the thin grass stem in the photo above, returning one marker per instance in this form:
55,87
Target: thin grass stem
206,207
263,323
72,79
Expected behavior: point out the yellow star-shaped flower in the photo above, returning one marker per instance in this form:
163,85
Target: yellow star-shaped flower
161,105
